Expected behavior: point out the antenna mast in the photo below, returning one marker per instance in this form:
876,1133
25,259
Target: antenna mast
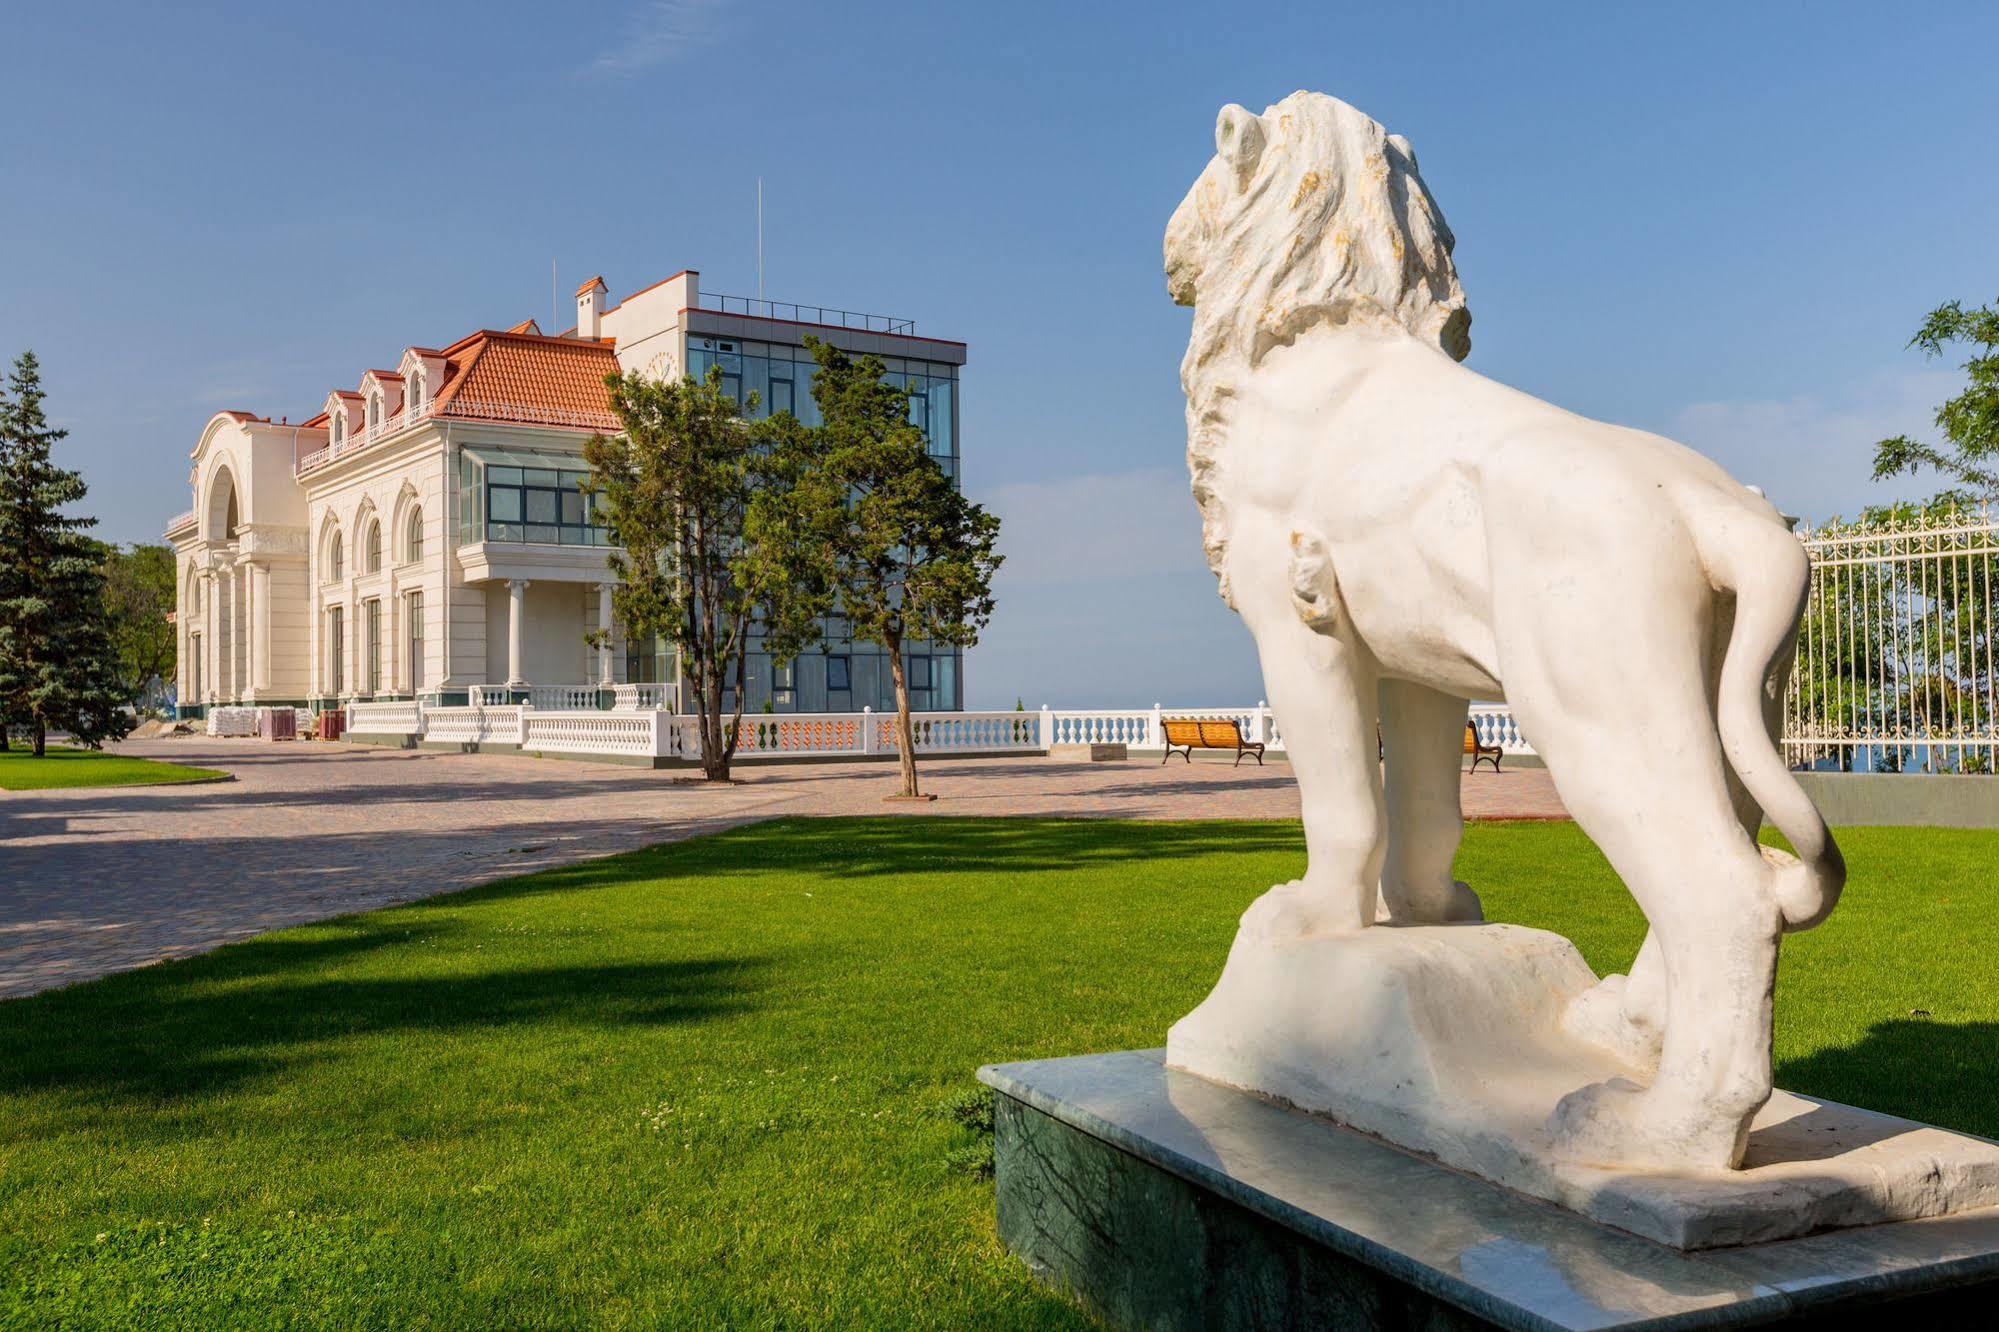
760,237
554,297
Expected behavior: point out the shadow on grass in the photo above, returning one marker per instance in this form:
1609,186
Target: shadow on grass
1936,1072
268,1006
891,845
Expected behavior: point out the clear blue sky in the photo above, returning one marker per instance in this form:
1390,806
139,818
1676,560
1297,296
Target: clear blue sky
1718,222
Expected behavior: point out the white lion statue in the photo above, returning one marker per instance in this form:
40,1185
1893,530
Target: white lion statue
1403,534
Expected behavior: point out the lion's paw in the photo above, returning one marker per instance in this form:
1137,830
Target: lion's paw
1618,1125
1300,908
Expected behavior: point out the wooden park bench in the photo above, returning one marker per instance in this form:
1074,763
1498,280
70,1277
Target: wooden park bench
1187,734
1478,749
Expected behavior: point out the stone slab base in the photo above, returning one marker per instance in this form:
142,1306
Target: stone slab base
1452,1041
1090,753
1163,1200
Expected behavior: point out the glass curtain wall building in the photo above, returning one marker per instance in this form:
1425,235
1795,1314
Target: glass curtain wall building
841,674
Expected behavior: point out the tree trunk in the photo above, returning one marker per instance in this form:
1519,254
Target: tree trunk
41,737
714,742
905,731
4,746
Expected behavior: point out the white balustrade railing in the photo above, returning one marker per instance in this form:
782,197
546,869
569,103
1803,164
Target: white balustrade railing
361,439
180,520
404,717
563,697
1136,727
965,732
463,409
1496,726
646,697
572,719
473,725
608,734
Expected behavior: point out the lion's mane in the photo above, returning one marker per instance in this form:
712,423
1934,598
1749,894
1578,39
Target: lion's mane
1330,224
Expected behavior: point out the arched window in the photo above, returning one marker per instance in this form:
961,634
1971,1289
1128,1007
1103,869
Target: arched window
372,548
194,594
374,410
336,560
414,397
339,427
413,542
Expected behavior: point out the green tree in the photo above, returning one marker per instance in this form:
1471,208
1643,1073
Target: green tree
138,597
1969,421
861,520
674,487
58,670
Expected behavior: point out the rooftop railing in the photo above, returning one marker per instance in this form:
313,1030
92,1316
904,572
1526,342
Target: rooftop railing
758,308
459,410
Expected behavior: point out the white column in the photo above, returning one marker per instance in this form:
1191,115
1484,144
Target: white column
604,630
239,631
260,632
350,634
210,638
393,639
517,595
183,668
315,636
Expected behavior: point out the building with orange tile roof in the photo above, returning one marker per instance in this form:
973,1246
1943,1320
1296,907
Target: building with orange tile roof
428,535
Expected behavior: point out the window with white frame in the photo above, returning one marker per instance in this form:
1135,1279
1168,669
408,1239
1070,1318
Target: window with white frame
371,647
413,616
372,548
413,538
336,650
336,559
413,394
374,410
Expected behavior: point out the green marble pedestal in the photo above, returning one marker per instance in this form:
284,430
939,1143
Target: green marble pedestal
1161,1200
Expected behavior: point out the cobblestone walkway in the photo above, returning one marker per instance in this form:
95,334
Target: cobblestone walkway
95,881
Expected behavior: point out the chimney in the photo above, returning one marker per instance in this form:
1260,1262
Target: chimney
590,307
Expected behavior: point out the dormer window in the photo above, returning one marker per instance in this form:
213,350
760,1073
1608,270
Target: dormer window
374,410
339,428
416,393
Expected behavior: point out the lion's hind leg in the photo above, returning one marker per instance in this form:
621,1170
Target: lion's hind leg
1671,833
1422,733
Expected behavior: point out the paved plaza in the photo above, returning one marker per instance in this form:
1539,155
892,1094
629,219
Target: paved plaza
98,880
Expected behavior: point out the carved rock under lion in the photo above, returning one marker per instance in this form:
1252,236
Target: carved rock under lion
1448,1040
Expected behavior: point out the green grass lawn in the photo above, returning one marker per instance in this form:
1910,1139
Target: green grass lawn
20,770
706,1084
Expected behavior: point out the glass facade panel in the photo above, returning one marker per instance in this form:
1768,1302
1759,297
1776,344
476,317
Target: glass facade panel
845,675
503,501
781,377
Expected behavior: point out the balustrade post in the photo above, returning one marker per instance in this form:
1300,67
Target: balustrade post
868,744
1155,731
1263,721
1047,733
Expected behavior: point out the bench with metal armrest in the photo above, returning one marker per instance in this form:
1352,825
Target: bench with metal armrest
1184,735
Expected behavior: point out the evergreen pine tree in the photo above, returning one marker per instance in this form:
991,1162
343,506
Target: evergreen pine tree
58,668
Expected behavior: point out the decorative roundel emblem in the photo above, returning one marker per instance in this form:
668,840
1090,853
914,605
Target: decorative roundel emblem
661,366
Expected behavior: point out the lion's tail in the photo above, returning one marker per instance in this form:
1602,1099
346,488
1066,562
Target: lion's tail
1770,574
